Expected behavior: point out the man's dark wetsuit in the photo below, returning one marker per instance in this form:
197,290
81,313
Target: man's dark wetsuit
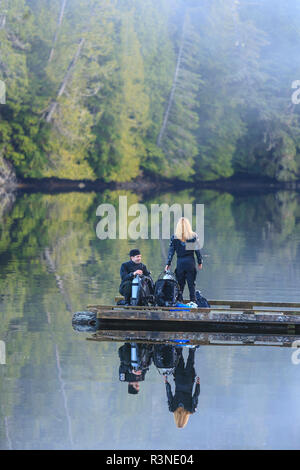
144,353
184,381
126,272
186,268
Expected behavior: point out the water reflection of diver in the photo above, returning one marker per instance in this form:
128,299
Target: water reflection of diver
135,362
183,403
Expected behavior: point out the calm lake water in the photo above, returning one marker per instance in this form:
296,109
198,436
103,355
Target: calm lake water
60,391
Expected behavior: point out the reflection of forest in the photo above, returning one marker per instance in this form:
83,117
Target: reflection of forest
50,259
7,200
62,228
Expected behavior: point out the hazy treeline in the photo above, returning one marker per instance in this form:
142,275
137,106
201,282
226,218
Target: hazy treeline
195,89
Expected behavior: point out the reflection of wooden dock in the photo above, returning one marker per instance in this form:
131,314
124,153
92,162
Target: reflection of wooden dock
195,338
229,316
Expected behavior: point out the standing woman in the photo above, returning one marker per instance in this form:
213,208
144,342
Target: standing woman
186,243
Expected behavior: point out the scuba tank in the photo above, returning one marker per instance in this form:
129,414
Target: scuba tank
135,290
134,356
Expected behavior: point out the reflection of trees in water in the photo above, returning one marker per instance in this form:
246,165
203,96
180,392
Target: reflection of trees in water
273,216
273,221
65,223
249,239
6,202
89,269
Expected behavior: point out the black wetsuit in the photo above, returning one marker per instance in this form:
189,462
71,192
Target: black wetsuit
126,272
186,268
184,382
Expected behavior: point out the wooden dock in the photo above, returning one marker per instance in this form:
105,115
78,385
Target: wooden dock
224,315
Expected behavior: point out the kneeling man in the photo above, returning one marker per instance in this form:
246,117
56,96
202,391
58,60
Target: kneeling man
128,270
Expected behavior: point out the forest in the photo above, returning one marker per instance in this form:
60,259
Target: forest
191,90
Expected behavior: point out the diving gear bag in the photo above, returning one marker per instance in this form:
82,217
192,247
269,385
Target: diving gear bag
201,301
166,289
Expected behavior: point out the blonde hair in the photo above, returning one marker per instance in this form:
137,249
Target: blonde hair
184,230
181,417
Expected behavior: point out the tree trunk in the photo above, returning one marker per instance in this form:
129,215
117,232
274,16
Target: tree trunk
2,21
59,23
65,81
174,85
59,281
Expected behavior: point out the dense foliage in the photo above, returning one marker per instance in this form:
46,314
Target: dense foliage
196,90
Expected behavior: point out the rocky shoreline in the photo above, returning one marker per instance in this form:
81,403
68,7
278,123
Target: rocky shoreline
9,184
146,185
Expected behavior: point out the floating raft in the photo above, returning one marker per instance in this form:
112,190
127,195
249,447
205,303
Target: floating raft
228,316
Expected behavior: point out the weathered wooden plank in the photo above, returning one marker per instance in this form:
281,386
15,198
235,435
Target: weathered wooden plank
196,315
243,303
137,307
104,308
195,338
252,303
